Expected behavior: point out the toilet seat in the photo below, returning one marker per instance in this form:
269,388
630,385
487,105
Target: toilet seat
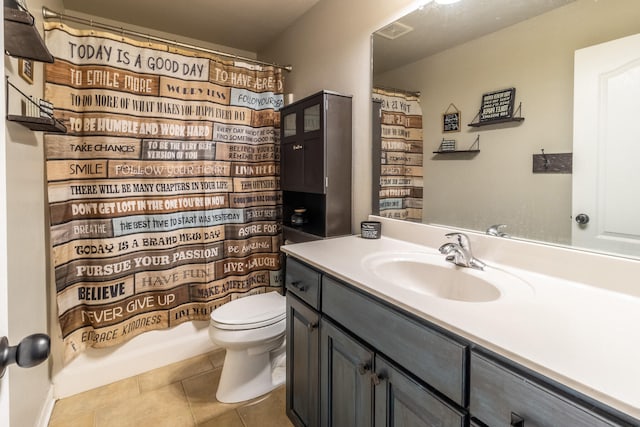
252,312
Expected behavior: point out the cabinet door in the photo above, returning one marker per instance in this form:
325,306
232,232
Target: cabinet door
302,155
292,166
346,391
302,363
400,401
302,166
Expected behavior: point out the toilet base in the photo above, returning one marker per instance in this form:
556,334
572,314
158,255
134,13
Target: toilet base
246,375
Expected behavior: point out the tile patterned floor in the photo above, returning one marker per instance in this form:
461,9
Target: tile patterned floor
177,395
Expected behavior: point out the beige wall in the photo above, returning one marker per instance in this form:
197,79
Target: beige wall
26,243
330,48
535,57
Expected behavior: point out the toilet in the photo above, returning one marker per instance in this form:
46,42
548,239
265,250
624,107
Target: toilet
252,330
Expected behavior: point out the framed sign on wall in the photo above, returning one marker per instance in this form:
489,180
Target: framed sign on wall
25,70
451,119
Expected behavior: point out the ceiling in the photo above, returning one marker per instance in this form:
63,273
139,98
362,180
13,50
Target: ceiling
438,27
241,24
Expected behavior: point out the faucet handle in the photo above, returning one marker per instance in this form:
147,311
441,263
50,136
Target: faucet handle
495,230
463,239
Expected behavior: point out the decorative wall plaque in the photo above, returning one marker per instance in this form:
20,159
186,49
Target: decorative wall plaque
497,105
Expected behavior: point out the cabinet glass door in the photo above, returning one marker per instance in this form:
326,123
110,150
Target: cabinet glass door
290,124
312,118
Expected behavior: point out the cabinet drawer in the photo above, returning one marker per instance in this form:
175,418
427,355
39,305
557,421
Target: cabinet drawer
497,392
303,281
429,355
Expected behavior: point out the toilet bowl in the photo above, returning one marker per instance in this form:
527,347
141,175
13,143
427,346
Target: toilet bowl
251,329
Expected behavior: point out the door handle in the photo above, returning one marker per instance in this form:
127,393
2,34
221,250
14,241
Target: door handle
582,219
31,351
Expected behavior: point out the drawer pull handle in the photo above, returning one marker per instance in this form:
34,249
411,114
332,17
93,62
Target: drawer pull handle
376,379
298,285
516,420
297,147
363,368
311,326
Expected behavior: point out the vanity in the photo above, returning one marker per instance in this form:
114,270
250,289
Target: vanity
367,350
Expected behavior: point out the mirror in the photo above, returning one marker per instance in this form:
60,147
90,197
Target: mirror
457,55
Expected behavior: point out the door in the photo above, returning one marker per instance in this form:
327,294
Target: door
346,391
606,177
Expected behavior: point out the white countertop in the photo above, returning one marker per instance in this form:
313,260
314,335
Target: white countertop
583,336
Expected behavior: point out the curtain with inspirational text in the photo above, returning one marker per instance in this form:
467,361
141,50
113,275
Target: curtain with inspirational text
164,193
401,176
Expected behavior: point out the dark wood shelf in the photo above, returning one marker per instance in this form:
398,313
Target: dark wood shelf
456,151
494,122
21,37
45,124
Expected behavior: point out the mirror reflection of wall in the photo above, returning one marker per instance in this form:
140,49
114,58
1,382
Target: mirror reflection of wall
535,56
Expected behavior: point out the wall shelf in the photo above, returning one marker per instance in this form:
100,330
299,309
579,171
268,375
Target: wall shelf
456,151
46,124
474,148
516,117
493,122
34,116
21,37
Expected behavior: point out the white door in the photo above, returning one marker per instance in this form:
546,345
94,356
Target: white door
606,147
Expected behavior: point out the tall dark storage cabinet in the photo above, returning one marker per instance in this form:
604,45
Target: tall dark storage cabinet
315,165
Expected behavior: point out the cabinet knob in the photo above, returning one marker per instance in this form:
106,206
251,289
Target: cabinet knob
299,285
311,326
516,420
363,368
297,147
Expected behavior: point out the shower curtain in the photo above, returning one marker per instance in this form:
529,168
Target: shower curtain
401,175
164,193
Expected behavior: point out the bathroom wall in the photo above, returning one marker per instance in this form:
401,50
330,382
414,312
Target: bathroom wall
329,48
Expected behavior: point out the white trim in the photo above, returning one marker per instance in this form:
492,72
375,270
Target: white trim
47,409
98,367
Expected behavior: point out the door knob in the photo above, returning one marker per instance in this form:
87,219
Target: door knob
31,351
582,219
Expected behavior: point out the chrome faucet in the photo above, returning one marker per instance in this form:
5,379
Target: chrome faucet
496,230
459,252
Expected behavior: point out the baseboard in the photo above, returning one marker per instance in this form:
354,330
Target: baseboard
47,409
97,367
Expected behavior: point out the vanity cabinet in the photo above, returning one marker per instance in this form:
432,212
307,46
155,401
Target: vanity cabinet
356,360
315,164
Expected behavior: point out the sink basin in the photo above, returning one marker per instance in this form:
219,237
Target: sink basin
431,275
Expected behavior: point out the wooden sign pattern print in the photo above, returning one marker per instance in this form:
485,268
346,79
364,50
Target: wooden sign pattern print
164,195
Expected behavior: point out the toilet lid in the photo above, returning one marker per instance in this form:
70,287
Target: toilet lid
252,311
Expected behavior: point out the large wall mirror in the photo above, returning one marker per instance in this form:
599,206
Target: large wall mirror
575,68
